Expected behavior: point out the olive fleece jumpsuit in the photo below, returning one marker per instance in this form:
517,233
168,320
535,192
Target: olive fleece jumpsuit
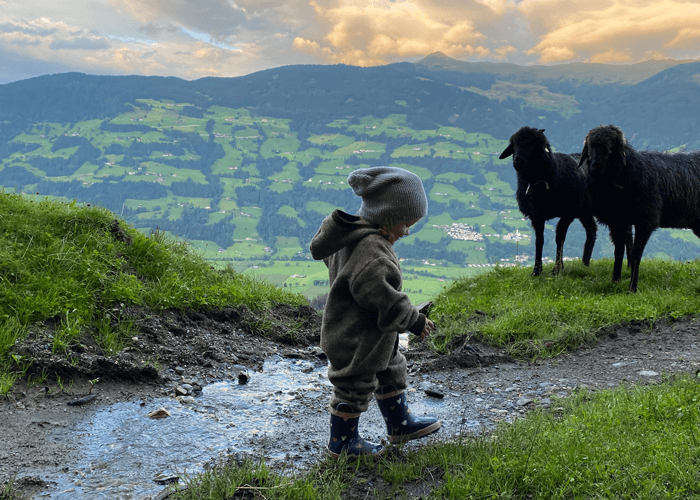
365,310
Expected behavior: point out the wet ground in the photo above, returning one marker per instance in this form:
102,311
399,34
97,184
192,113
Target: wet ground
227,390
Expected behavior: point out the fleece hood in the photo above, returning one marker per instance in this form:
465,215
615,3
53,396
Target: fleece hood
338,231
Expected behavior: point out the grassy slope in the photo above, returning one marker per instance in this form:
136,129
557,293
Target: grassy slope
70,262
546,315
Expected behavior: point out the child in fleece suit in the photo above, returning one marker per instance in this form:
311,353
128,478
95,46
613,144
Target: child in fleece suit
366,310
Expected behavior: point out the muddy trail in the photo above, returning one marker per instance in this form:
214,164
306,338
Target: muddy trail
195,389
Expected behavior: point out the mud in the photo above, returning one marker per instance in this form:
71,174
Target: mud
471,390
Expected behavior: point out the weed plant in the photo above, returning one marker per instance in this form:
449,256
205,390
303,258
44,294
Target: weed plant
72,264
543,316
627,442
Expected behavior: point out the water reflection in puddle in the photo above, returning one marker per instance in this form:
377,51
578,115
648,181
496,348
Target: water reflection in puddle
122,451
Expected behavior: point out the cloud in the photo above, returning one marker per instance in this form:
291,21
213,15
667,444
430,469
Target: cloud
502,52
612,56
27,29
311,47
610,31
220,20
193,38
375,32
157,31
80,44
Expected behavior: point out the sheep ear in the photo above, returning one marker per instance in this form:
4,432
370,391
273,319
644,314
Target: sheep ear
623,158
507,152
541,130
584,155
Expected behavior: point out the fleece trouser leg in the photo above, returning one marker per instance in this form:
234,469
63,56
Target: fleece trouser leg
356,383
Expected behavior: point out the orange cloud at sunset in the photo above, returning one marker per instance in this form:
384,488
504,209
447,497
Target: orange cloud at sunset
611,31
371,33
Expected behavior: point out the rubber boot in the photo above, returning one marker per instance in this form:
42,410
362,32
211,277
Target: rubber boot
344,434
401,425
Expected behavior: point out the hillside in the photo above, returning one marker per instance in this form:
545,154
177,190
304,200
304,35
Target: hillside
246,168
110,326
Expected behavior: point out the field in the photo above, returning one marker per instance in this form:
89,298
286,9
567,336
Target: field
202,166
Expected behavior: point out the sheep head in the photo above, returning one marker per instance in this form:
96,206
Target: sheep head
605,149
530,150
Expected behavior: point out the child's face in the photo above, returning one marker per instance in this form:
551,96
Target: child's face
395,232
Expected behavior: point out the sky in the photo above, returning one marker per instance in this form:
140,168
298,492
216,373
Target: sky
191,39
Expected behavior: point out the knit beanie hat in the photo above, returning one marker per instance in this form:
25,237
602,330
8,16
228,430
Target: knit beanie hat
390,195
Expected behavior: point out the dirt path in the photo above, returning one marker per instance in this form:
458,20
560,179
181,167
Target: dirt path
470,390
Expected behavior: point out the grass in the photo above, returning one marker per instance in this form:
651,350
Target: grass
69,263
544,316
627,442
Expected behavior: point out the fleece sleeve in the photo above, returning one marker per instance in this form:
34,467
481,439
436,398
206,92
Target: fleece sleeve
418,326
377,289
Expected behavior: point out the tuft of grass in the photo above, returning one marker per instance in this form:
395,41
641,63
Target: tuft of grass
70,265
255,480
543,316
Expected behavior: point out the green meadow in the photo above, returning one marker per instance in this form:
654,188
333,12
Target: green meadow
233,143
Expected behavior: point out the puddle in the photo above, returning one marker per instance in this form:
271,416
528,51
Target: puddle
280,415
121,451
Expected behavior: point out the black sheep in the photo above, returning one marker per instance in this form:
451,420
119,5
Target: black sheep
550,185
644,189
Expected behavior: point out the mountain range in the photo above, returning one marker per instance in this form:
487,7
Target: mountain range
252,164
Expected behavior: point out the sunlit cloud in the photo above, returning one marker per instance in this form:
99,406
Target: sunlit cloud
611,31
612,56
502,52
371,33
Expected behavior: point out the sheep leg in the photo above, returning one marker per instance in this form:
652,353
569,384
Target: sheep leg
641,237
562,228
628,246
538,227
618,235
589,224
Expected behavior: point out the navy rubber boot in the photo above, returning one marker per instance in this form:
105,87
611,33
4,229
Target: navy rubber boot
345,438
401,425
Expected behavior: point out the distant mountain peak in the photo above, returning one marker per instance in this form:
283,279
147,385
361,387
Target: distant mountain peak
436,57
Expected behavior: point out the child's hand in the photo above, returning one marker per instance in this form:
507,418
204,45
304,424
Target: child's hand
427,329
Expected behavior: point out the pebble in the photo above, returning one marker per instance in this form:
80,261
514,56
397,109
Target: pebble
647,373
434,394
